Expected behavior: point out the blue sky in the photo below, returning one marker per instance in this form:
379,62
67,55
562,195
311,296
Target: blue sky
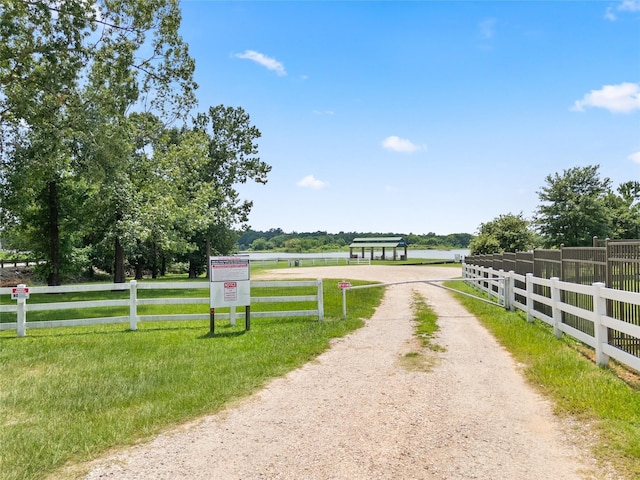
420,116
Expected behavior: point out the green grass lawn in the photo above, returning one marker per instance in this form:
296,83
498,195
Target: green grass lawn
68,394
560,369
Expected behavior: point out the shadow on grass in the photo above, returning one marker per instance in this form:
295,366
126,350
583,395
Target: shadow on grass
209,335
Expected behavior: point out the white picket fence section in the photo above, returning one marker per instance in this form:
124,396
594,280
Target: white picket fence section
598,316
21,307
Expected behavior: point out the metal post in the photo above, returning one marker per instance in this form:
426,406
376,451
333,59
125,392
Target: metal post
247,318
232,316
212,323
344,303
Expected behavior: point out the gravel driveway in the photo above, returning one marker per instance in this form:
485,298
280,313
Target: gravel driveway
357,413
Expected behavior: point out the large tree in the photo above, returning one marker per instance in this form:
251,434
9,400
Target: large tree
70,72
232,159
574,207
505,233
626,211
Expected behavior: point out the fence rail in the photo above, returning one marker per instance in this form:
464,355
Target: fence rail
21,308
588,319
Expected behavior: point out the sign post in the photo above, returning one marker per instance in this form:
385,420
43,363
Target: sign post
21,294
230,286
344,285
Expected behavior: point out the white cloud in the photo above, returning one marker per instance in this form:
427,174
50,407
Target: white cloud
634,157
624,6
487,28
622,98
610,15
311,182
261,59
629,6
401,145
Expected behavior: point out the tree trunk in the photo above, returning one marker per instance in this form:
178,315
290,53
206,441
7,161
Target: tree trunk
208,256
154,261
54,236
118,264
192,269
139,270
139,261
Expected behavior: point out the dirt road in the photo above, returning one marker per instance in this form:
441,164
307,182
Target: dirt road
357,413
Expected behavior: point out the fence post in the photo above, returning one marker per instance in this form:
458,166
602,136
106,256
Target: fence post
557,313
133,304
529,287
320,300
600,332
21,314
510,299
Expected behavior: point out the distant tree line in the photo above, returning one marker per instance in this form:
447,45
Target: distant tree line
276,239
575,206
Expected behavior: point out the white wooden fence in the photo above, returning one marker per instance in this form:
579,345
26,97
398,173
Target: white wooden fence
21,307
523,299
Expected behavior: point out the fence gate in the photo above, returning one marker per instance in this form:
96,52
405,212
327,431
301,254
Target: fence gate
493,285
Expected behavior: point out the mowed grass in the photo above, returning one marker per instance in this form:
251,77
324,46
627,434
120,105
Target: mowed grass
595,396
68,394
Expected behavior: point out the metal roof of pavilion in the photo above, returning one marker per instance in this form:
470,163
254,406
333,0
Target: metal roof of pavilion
378,242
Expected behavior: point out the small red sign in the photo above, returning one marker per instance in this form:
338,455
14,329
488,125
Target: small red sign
344,284
230,284
19,292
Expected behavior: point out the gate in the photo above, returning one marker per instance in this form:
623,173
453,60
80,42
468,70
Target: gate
494,285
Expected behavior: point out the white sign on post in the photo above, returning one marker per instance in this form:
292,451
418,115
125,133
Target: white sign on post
230,284
21,292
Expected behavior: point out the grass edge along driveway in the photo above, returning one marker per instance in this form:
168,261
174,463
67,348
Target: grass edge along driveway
68,394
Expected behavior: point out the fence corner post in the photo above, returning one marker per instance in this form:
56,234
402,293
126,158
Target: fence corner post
555,301
320,300
529,289
600,331
133,304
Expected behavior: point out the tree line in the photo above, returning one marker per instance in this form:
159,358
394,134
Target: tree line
575,205
103,163
277,239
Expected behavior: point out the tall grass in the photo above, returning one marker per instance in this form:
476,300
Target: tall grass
556,367
67,394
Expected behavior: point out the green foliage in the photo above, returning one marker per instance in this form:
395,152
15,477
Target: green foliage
69,73
574,207
506,233
626,210
427,325
275,239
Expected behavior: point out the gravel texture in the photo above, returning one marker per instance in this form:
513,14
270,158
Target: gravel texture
358,412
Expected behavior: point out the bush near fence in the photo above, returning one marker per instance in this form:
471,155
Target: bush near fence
593,294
